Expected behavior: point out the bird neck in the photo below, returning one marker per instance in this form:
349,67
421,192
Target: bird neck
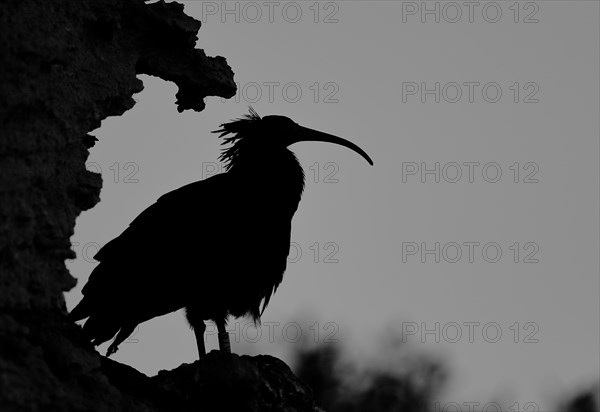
281,174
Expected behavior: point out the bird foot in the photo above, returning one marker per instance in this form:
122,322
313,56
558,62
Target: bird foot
224,344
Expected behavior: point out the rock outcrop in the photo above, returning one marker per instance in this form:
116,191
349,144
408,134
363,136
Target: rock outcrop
65,66
220,382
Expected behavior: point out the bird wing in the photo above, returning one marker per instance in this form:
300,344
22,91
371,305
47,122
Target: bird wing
149,263
192,244
188,205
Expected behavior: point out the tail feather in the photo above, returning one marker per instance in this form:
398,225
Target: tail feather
81,311
100,328
123,334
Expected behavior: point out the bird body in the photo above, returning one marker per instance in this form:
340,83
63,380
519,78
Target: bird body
216,247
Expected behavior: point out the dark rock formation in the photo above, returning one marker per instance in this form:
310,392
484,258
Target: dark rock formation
220,382
65,66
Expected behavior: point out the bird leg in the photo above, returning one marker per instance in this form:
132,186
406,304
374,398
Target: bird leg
224,344
199,332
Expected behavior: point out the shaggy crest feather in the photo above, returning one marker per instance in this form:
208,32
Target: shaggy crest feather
236,128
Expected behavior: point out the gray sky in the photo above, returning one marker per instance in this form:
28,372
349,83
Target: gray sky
359,72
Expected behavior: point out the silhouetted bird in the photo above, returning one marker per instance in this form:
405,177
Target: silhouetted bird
216,247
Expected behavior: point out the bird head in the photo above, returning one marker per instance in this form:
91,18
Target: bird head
252,133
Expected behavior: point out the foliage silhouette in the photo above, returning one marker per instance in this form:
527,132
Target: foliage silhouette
340,385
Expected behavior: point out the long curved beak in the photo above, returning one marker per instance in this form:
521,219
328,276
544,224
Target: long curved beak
309,135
